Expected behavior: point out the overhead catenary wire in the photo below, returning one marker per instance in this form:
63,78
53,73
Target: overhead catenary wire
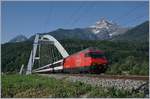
49,16
74,14
135,19
84,9
128,13
78,17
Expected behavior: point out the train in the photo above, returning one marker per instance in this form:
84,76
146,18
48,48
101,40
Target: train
90,60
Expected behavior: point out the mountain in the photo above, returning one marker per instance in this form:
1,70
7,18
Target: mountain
105,29
138,33
77,33
102,30
19,38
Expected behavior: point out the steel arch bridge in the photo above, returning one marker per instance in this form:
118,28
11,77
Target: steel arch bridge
37,42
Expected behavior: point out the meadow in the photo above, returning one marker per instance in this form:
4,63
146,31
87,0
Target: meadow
35,86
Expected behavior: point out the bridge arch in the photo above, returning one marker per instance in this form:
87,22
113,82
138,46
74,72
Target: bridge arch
37,40
59,47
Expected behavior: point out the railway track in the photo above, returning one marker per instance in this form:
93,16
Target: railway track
118,81
125,77
103,76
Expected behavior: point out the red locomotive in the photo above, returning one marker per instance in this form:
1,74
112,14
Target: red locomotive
90,60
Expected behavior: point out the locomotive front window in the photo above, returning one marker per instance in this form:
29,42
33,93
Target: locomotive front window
95,55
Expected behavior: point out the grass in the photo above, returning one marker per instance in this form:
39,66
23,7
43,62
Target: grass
34,86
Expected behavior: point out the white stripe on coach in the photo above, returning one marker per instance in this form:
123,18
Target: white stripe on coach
58,68
45,70
48,65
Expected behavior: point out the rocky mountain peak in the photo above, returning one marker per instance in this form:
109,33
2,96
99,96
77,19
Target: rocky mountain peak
103,24
107,28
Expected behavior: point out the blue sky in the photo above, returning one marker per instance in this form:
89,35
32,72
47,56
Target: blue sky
30,17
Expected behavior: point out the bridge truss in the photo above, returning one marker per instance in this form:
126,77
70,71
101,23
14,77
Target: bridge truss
39,40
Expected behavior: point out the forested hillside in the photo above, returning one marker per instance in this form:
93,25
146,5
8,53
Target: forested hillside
138,33
124,57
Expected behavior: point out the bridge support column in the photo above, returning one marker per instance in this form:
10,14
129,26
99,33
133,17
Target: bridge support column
32,55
